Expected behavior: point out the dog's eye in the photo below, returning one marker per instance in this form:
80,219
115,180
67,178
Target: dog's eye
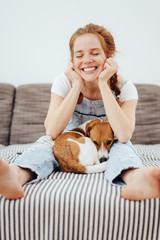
108,142
95,143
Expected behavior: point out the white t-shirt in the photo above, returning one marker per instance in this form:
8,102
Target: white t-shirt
61,86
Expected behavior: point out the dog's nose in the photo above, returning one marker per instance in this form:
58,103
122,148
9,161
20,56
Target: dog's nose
103,159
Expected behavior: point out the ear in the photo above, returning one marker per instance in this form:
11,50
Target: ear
107,122
90,125
79,130
87,133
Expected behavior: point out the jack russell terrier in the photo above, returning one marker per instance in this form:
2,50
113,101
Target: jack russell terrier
84,149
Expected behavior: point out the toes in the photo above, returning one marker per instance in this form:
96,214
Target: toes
156,172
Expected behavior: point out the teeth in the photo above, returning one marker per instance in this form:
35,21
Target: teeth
89,69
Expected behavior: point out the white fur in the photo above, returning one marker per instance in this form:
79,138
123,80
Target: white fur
88,152
83,125
88,156
102,152
101,167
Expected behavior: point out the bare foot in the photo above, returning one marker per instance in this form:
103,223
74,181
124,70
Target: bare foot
141,184
10,186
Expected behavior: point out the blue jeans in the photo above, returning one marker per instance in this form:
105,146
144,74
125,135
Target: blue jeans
39,159
122,156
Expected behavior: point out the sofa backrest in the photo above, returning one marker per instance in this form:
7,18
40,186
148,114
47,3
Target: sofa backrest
31,105
7,92
147,130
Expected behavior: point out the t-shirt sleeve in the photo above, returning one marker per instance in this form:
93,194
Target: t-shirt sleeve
128,92
61,85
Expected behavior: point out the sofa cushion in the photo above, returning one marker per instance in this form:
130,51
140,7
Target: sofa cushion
6,105
31,106
32,102
79,206
147,130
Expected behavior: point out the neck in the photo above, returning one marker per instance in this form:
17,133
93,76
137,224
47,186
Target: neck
91,91
93,86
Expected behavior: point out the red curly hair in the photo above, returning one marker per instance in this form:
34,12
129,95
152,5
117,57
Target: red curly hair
108,45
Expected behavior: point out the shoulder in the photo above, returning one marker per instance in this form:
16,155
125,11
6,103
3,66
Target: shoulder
119,79
128,90
124,83
61,85
61,78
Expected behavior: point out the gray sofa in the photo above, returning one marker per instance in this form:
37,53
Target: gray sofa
67,205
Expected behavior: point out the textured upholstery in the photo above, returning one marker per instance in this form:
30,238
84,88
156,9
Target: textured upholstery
67,206
75,206
147,130
32,102
31,105
6,106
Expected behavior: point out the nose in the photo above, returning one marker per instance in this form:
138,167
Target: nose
88,59
103,159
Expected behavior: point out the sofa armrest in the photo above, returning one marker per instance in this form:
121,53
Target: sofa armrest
7,92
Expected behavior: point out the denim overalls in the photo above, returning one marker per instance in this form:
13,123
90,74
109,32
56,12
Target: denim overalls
39,157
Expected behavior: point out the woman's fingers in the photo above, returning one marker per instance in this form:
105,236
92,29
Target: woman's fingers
111,64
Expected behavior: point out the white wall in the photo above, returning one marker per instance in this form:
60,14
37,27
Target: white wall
34,36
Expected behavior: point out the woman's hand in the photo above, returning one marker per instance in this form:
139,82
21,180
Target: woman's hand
73,76
110,68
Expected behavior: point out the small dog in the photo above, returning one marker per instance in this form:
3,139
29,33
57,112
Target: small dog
84,149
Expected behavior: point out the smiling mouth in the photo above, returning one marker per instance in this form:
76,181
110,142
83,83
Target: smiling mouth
89,69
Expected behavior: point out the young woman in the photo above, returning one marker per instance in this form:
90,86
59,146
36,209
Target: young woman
90,88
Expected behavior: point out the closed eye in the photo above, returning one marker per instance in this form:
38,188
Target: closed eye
108,142
79,56
95,143
95,54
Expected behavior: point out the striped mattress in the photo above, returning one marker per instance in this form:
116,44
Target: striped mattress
68,206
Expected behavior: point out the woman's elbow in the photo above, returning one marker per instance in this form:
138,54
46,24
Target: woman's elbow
124,138
48,130
51,134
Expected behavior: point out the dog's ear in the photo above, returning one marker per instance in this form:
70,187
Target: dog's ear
90,125
79,130
87,133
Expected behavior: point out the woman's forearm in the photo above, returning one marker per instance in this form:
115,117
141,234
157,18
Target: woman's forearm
57,119
122,126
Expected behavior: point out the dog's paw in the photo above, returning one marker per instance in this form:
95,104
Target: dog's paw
101,167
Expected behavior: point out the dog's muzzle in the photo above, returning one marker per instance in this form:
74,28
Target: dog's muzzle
103,159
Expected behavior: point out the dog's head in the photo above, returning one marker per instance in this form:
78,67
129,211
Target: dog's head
102,136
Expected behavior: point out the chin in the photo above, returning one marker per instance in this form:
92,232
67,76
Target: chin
90,77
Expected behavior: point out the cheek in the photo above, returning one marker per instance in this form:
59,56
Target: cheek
102,60
76,64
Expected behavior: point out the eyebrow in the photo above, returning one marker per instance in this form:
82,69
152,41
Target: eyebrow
92,49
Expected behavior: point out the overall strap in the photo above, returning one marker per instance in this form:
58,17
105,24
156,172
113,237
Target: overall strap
122,83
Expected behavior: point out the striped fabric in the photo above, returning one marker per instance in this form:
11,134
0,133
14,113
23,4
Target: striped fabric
68,206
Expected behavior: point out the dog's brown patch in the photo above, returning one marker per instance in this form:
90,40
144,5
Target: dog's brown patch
96,130
80,130
66,152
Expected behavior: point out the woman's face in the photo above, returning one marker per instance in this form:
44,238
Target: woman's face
88,57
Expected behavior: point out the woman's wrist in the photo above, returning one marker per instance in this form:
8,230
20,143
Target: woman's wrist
77,86
103,84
